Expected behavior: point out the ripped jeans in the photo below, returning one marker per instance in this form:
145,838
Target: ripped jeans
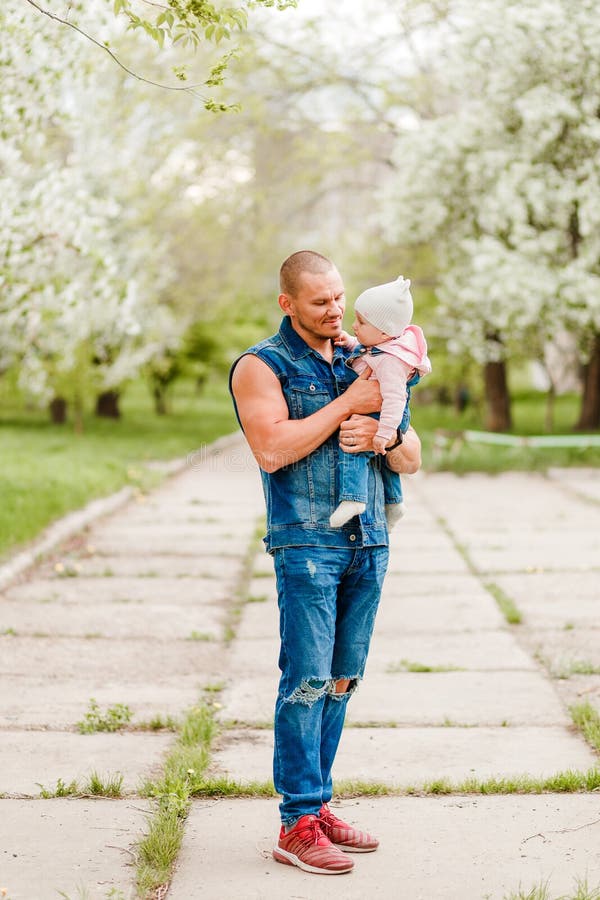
328,599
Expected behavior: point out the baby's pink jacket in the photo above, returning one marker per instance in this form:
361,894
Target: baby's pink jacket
401,357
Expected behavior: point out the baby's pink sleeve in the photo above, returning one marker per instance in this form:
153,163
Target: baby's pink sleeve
392,374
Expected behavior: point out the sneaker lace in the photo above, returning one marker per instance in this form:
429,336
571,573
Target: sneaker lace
312,832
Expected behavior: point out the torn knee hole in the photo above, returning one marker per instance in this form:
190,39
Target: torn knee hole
308,691
341,687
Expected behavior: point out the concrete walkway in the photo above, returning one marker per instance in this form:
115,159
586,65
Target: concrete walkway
135,610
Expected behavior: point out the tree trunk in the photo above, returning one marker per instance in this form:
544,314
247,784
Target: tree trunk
58,411
107,405
497,415
160,400
549,415
589,417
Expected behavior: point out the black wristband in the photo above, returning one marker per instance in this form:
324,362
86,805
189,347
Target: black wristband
396,443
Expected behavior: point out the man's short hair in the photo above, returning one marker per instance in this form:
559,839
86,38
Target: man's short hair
299,262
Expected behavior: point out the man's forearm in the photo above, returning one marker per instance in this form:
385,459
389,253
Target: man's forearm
290,440
406,458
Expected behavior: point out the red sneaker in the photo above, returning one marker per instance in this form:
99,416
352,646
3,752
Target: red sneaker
308,848
345,836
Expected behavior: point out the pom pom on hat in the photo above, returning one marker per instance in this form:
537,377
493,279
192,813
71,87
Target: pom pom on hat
388,307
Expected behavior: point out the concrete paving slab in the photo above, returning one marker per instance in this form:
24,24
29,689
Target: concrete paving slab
550,599
78,847
541,551
427,561
263,564
92,590
401,613
477,650
406,757
50,681
259,620
488,650
28,759
207,529
563,649
113,620
468,698
542,504
462,698
26,703
87,660
138,545
156,566
585,482
444,848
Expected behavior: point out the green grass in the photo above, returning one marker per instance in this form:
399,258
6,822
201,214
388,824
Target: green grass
528,410
542,892
95,786
587,720
182,777
506,605
47,470
407,665
114,718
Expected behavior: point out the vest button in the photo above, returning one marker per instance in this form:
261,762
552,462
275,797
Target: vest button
352,537
312,388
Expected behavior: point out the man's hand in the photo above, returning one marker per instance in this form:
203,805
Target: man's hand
363,395
356,436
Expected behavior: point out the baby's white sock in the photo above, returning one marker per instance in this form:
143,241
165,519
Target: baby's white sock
393,513
345,511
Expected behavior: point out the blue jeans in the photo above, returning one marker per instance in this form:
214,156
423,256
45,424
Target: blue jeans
354,477
328,598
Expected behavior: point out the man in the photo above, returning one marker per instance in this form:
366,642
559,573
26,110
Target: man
295,399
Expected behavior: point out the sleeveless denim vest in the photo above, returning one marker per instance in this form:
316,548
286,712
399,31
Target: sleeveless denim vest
301,496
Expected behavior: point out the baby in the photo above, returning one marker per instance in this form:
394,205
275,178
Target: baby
396,352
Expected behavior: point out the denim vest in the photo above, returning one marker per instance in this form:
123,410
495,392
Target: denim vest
301,496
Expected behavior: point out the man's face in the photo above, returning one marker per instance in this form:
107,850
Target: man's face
318,307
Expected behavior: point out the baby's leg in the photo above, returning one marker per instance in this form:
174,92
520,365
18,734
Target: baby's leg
354,473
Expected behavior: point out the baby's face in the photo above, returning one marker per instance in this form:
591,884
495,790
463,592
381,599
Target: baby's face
367,334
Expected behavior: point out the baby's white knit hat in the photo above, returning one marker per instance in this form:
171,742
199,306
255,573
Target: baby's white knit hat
388,307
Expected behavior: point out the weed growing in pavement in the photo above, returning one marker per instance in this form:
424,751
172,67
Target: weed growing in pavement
257,598
575,667
587,719
407,665
113,719
97,787
214,687
62,789
199,636
157,723
541,892
506,605
182,778
8,632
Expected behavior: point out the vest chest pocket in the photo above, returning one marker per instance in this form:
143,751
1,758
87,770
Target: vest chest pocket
305,395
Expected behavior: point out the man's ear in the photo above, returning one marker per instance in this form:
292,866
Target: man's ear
285,304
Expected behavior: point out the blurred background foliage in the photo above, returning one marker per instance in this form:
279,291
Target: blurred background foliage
143,227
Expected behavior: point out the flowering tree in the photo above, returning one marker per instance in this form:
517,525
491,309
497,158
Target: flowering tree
81,304
504,178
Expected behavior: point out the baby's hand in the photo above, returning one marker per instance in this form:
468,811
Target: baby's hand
343,340
379,444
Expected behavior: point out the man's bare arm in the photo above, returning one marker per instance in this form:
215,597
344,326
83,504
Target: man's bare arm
406,458
274,438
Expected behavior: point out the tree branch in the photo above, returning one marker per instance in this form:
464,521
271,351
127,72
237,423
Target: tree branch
188,88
